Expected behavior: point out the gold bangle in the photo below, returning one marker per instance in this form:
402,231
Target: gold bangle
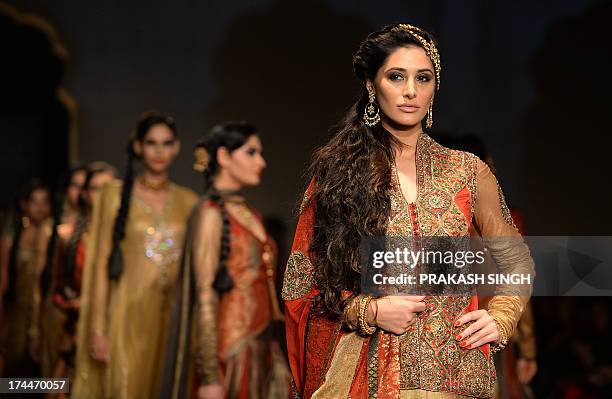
364,327
375,313
503,337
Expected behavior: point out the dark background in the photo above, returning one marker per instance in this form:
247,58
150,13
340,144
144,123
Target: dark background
531,78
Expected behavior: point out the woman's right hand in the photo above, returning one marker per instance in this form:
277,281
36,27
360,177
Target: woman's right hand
98,347
212,391
397,313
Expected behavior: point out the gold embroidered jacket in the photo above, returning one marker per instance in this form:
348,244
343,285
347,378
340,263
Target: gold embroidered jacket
458,196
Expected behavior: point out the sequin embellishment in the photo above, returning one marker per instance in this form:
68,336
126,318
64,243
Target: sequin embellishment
160,244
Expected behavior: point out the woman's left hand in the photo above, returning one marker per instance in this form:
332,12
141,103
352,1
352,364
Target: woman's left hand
483,329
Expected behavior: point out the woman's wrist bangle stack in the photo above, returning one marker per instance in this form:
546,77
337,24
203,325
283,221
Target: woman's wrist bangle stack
364,304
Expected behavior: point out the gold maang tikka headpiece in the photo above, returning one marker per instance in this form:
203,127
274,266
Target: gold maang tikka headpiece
428,45
202,158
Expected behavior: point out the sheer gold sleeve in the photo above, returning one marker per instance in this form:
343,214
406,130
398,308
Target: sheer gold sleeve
525,335
108,205
507,248
206,250
90,375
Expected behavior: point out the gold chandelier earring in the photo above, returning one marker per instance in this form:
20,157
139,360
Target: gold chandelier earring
429,121
371,115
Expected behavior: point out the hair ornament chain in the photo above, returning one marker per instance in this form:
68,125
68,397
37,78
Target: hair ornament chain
202,159
428,45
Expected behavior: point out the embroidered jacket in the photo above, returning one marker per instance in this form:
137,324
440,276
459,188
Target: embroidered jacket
458,196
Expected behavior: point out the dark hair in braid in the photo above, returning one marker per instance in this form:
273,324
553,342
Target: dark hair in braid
230,135
147,121
17,227
58,212
82,222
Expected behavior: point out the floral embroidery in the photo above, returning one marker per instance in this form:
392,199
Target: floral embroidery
430,357
299,276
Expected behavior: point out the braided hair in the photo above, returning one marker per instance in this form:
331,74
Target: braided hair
146,122
230,135
17,227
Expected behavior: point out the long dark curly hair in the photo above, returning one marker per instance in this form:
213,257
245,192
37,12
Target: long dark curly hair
352,173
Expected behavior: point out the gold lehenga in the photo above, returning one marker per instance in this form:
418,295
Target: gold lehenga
134,311
233,333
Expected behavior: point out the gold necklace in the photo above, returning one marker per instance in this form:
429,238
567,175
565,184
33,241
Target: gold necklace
154,185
